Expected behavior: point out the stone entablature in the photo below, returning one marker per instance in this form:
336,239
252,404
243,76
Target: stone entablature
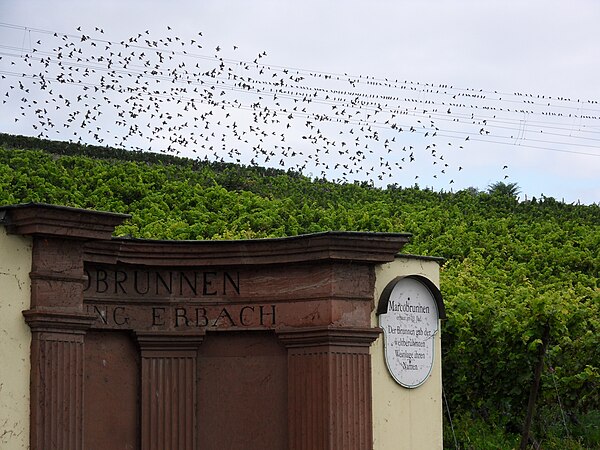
306,301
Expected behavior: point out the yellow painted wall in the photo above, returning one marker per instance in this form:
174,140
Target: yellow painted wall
15,340
406,419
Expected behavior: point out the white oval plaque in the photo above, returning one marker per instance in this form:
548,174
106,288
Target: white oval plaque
409,325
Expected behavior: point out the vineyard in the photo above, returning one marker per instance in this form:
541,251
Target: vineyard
513,272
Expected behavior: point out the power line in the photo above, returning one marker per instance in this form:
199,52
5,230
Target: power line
422,86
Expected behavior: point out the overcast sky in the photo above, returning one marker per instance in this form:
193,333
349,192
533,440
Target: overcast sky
544,48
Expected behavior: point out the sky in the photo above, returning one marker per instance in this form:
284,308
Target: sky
482,91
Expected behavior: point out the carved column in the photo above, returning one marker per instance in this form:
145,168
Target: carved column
168,390
56,316
58,325
329,382
57,353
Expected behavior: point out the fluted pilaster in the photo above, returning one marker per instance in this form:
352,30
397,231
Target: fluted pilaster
329,379
168,391
57,358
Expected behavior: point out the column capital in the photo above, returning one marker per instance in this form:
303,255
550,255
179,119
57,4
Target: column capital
163,342
327,336
64,322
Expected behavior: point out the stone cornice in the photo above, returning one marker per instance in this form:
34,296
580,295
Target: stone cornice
43,220
359,247
40,219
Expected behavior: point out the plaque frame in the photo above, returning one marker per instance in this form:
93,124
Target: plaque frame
382,308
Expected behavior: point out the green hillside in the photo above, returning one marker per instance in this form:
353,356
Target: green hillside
512,268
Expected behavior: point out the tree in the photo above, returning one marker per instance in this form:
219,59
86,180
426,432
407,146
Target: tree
507,189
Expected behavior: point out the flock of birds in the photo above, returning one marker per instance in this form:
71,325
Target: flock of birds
174,95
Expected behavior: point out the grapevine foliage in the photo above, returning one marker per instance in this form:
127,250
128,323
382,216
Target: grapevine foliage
510,267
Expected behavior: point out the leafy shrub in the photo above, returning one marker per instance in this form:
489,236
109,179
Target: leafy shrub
511,267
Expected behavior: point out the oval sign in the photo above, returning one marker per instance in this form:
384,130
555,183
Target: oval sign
408,314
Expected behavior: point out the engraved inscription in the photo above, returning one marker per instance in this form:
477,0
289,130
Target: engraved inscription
161,283
409,326
182,317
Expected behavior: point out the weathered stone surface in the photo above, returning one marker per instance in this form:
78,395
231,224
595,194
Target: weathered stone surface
304,301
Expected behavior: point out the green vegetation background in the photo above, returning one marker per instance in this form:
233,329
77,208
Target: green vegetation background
511,267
